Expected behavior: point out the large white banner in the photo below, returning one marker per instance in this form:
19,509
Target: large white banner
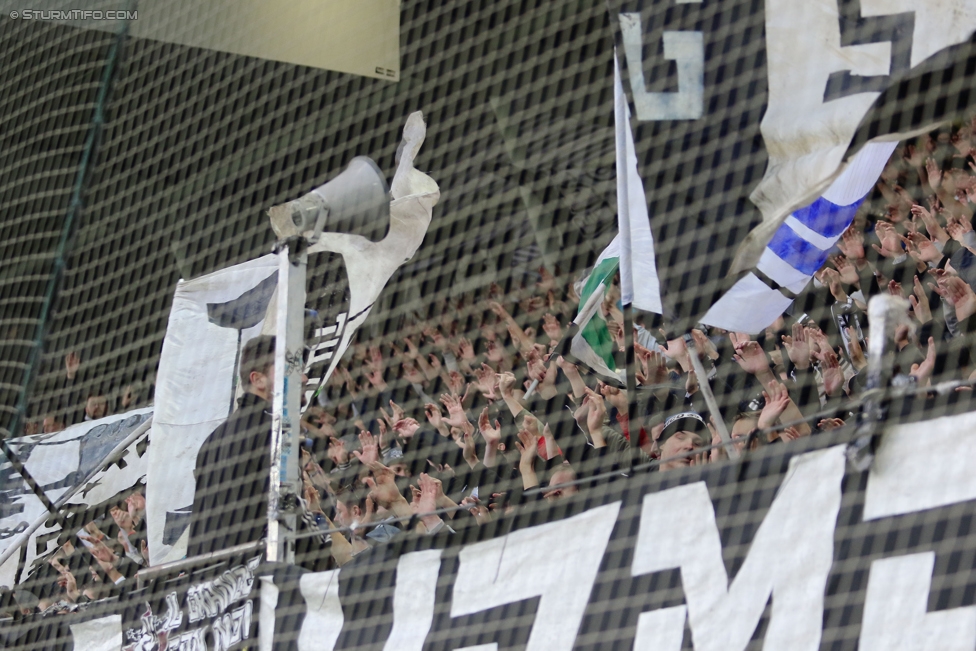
211,319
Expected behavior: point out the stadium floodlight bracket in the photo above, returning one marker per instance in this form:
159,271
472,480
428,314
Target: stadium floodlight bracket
356,197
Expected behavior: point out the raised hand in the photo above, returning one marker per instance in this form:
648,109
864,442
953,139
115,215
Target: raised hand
932,226
465,349
492,435
920,303
751,357
790,434
411,351
677,351
370,449
851,244
72,362
495,352
858,358
890,240
616,397
311,495
597,414
960,295
374,375
455,412
934,173
914,156
847,271
831,279
433,333
406,427
103,554
122,519
532,303
468,450
546,281
412,375
481,513
958,226
833,376
136,505
535,367
506,384
551,327
922,249
894,288
704,345
830,423
777,400
527,445
382,485
487,381
922,372
455,382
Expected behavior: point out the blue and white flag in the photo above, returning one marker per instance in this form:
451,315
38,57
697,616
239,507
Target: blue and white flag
799,248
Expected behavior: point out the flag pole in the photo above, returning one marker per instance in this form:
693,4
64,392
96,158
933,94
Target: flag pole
621,122
631,373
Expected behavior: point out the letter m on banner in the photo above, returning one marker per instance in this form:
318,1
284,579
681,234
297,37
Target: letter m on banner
789,559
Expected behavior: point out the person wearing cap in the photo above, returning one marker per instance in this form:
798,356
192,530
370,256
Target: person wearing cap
683,433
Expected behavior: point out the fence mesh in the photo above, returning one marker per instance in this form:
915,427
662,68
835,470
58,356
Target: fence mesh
132,167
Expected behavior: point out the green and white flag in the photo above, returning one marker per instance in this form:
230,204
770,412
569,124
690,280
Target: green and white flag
593,344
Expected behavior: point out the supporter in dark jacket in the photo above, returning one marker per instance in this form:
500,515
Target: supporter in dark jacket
230,505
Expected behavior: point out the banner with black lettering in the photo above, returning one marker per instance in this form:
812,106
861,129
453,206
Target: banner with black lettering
745,113
59,462
788,549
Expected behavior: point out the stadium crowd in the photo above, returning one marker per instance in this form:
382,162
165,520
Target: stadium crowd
506,411
477,409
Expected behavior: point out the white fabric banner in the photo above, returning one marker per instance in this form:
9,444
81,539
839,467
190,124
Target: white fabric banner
58,462
195,387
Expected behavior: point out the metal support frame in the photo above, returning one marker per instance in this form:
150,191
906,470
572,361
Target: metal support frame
885,313
285,484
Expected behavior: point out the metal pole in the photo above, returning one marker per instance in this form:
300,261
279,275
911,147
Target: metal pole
151,573
285,484
885,312
706,390
631,370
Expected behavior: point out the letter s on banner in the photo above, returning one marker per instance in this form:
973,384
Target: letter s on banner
790,558
511,569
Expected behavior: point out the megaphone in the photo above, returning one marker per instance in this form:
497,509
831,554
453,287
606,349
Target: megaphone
355,202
